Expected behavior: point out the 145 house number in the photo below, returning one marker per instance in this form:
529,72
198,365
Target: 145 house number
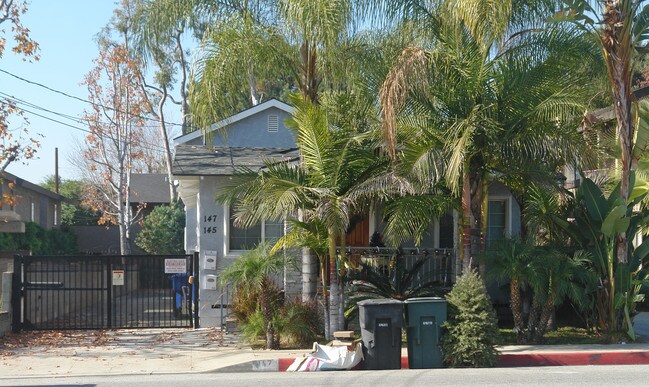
209,219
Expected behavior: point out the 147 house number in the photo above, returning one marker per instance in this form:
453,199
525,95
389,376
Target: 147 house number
209,229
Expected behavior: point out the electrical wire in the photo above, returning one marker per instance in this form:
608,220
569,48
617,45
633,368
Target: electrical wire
81,99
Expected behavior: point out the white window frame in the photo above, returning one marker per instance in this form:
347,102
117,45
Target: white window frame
508,212
226,234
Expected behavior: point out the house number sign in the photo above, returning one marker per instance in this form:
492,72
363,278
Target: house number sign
208,228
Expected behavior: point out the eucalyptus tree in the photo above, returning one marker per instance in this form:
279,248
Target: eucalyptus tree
161,29
257,43
490,88
622,28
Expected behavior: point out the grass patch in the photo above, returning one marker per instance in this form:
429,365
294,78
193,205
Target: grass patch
562,336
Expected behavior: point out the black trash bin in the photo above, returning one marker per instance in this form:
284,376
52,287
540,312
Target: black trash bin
381,321
424,318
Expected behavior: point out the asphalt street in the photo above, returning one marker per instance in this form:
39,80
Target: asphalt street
536,376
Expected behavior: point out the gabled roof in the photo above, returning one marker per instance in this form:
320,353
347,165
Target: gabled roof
202,160
35,188
237,117
149,188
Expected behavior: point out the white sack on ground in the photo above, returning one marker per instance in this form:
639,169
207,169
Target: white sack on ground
327,358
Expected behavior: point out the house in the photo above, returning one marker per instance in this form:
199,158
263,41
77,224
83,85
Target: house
203,163
23,202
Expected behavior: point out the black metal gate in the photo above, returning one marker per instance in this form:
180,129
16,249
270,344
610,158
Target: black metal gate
101,292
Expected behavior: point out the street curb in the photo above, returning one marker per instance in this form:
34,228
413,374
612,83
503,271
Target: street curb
574,358
535,359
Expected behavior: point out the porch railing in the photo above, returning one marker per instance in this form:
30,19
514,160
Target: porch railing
438,264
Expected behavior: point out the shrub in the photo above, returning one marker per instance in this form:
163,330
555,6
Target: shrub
472,327
162,230
300,323
57,241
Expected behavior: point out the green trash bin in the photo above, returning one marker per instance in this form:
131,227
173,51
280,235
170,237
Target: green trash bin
424,319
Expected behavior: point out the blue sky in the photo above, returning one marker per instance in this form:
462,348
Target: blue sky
65,31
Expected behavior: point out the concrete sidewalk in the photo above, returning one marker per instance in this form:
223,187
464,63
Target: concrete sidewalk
170,351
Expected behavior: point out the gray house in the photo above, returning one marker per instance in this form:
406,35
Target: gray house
28,202
203,163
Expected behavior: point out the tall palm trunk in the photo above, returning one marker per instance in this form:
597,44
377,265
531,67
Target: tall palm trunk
267,314
466,223
618,49
516,307
333,285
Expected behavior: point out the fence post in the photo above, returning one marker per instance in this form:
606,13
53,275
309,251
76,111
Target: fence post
16,295
109,292
195,289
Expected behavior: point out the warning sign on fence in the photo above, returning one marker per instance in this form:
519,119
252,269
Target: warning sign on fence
118,277
174,266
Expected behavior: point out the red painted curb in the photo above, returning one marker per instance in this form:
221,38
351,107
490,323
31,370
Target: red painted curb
573,359
543,359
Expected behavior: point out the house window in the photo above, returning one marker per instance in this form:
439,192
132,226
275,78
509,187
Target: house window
446,228
32,214
273,123
497,220
56,214
246,239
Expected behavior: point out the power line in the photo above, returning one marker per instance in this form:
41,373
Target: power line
66,116
81,99
151,147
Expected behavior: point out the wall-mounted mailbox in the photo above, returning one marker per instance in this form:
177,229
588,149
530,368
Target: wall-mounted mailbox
209,260
208,282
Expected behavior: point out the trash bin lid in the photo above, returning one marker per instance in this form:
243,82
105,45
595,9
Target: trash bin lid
421,300
379,301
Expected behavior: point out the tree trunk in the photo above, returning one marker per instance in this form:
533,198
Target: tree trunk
334,295
268,319
184,98
618,51
466,223
516,307
254,93
542,326
165,142
309,274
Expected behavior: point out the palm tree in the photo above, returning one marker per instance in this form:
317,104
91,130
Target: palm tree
336,175
548,275
512,260
253,273
621,28
482,101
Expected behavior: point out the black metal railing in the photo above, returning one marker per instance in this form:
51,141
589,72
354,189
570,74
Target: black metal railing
99,292
435,265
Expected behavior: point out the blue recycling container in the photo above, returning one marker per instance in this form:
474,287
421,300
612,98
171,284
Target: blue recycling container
178,281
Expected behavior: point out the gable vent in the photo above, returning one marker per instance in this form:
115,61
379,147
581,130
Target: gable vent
273,123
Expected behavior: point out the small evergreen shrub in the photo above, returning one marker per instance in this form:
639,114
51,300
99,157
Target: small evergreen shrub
163,230
471,331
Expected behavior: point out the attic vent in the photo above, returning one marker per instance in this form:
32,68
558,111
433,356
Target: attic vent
273,123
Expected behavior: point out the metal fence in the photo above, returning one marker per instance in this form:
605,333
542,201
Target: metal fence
437,265
99,292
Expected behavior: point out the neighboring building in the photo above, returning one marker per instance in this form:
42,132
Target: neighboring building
27,202
148,190
244,140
